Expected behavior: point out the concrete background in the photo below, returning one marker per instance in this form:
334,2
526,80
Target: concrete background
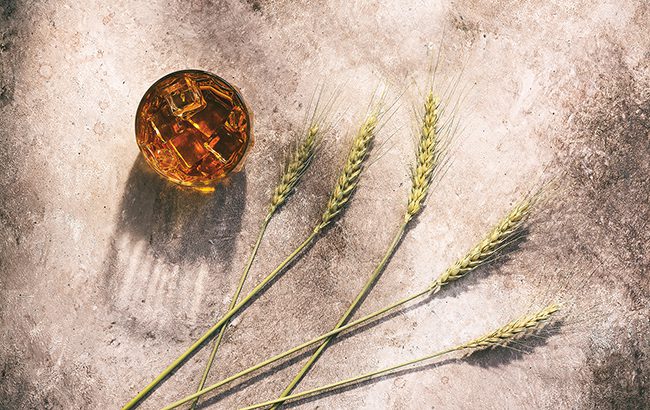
107,273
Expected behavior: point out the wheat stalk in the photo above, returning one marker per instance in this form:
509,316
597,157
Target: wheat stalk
509,226
427,156
339,198
502,336
296,165
485,250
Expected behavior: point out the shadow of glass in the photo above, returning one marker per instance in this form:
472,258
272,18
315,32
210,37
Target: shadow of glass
162,229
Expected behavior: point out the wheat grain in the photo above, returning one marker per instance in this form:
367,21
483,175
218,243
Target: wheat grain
426,162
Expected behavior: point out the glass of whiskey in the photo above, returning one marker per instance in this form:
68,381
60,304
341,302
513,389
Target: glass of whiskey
193,128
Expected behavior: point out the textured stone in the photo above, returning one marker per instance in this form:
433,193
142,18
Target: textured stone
107,272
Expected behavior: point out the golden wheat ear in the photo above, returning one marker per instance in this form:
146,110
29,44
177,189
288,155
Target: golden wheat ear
295,167
502,234
515,330
349,179
428,155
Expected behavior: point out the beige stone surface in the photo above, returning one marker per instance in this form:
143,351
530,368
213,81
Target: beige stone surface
108,273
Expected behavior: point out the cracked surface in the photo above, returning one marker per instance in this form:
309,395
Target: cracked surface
107,273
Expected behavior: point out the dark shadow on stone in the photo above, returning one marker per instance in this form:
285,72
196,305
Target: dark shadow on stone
178,224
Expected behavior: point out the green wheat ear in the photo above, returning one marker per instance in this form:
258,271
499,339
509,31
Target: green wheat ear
485,250
295,167
349,179
427,157
500,235
517,329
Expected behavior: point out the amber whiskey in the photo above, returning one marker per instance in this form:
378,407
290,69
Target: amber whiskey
193,128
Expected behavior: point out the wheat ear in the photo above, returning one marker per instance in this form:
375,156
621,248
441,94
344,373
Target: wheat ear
427,157
296,165
343,190
503,336
517,329
519,213
426,163
484,251
349,179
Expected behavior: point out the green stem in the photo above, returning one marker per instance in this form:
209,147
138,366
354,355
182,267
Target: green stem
351,380
375,274
177,363
298,348
233,302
